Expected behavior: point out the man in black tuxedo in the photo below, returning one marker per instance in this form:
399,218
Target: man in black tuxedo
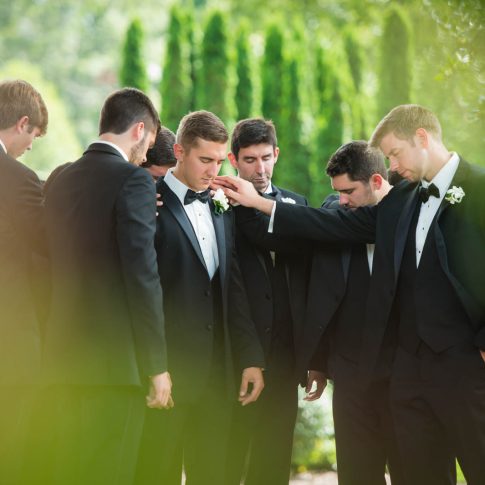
429,275
208,326
23,117
105,338
276,287
331,343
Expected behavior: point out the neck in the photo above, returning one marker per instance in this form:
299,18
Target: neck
118,140
438,158
383,191
6,138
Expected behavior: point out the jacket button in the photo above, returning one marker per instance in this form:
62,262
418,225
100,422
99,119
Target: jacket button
207,292
209,327
268,296
267,329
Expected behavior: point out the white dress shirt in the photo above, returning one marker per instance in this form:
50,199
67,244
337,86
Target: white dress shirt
428,210
3,146
200,217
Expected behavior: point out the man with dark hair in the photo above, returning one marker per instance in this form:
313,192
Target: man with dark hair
23,117
429,276
105,338
276,287
331,343
160,157
208,327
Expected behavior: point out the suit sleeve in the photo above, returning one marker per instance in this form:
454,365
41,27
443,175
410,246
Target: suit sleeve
246,345
136,215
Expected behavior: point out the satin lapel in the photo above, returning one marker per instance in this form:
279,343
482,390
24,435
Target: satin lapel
459,178
402,230
173,204
219,229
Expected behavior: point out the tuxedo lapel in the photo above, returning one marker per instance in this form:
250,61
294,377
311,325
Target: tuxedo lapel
218,221
172,203
402,229
346,253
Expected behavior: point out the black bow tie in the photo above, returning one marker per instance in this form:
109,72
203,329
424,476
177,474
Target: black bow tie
190,196
426,192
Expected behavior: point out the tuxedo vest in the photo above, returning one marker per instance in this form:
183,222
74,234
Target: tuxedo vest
428,307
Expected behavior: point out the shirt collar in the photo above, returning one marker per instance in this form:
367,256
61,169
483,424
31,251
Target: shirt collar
175,185
3,146
443,178
269,189
116,147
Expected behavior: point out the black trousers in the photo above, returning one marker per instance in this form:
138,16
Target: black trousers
191,436
261,436
84,435
364,434
438,406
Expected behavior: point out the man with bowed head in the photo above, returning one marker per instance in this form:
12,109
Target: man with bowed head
209,331
23,118
429,275
105,337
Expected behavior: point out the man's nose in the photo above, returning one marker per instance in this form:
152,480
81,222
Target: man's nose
343,199
259,166
213,169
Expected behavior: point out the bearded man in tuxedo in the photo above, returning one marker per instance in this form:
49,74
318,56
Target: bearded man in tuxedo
23,117
209,330
105,340
429,280
276,285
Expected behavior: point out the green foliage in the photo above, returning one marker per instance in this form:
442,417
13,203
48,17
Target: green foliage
212,89
189,26
60,143
395,73
313,442
244,86
133,70
272,75
174,89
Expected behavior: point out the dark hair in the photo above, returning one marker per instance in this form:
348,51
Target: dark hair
19,98
200,124
252,131
358,160
162,151
125,107
403,121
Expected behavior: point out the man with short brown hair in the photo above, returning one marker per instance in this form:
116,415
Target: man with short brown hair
23,117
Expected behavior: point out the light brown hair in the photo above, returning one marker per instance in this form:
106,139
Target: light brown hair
200,124
19,98
403,121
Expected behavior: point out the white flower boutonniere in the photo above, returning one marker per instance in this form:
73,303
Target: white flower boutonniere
288,200
455,195
221,204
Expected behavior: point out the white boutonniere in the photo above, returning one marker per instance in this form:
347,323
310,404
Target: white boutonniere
288,200
221,204
455,195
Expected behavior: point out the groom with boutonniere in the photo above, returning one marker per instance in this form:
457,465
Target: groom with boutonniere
429,275
208,326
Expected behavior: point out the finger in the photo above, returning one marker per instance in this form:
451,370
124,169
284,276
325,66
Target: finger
244,386
309,385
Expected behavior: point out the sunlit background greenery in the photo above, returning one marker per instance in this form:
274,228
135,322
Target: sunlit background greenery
325,71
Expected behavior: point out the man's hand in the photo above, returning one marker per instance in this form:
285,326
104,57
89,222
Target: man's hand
482,353
160,392
320,379
242,192
251,377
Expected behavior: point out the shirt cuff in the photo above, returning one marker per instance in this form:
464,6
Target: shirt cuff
271,220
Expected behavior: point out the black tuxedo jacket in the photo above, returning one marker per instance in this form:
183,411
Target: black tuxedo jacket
106,322
258,285
188,301
21,237
459,232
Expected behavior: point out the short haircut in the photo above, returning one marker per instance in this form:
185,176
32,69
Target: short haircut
358,160
19,98
162,151
124,108
403,121
200,124
253,131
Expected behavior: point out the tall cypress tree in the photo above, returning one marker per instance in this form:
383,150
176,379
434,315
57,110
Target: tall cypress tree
175,81
329,125
244,86
395,73
133,72
273,75
192,102
212,89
